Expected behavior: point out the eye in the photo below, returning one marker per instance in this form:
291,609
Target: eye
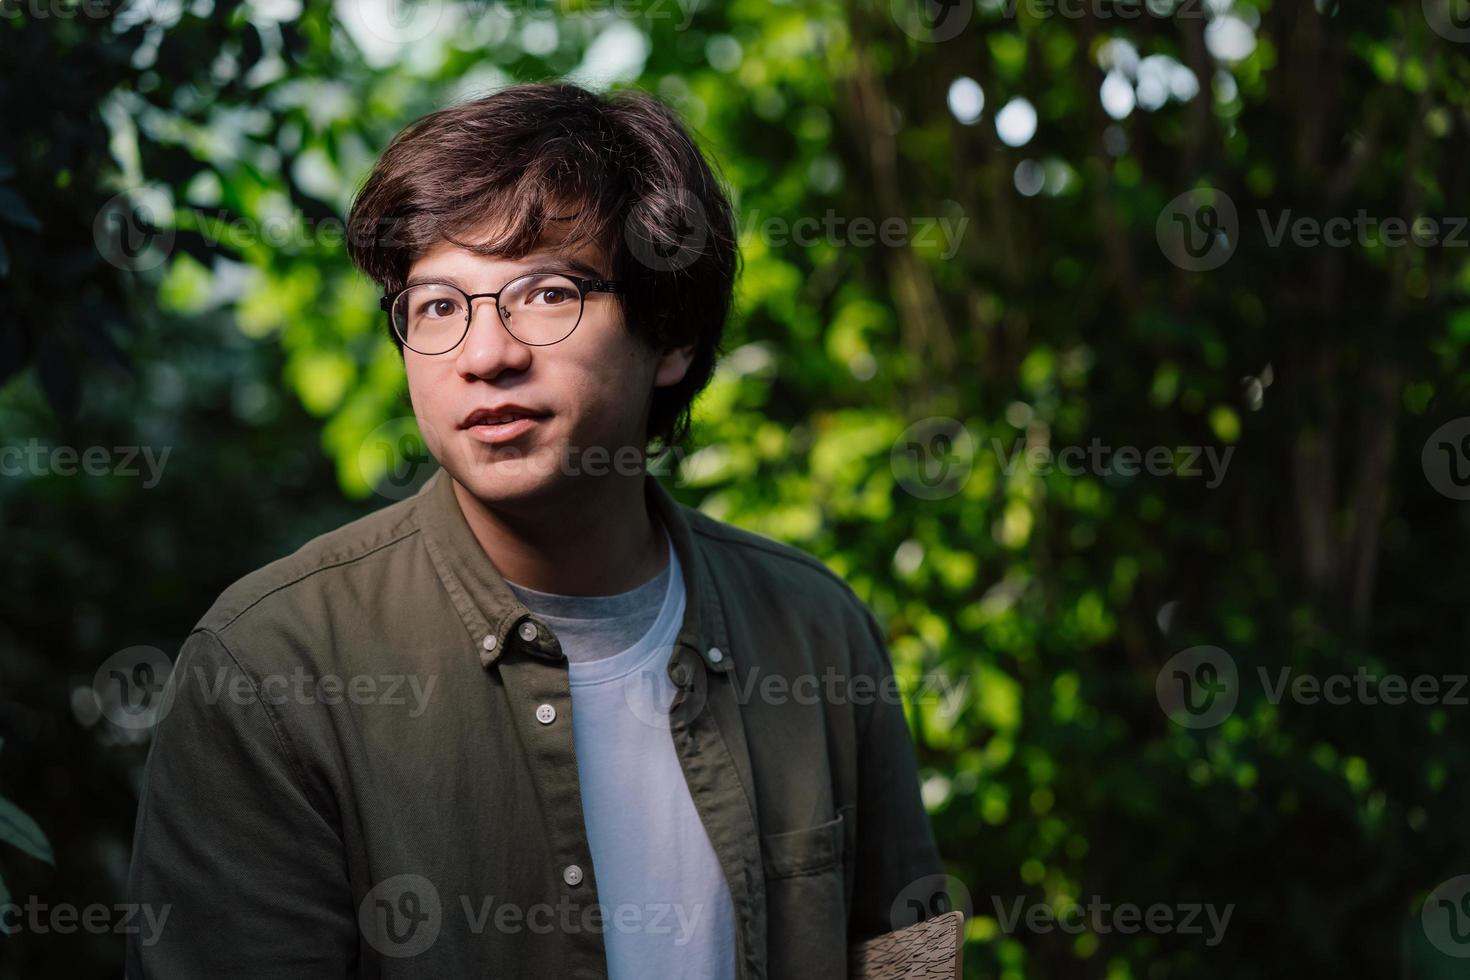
439,307
553,295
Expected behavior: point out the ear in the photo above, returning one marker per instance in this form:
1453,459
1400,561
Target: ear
672,366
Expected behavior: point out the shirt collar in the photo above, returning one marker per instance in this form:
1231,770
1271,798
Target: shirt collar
494,616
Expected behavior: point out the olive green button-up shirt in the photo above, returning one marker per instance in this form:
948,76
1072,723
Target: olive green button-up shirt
363,766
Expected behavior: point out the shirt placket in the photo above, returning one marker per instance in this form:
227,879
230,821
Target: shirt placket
534,674
709,738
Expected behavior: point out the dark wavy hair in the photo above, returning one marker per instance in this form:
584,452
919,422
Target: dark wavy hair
620,171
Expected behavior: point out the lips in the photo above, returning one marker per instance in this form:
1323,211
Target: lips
501,424
499,415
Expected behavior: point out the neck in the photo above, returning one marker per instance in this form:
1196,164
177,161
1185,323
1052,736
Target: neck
595,538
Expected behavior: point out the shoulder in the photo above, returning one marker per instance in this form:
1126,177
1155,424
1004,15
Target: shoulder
771,570
314,567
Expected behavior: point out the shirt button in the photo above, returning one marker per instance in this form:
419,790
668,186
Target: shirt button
716,655
572,875
489,642
545,714
528,631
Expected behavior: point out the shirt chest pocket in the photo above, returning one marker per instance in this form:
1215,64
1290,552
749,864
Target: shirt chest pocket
806,907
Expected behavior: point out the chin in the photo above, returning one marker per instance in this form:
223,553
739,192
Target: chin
507,475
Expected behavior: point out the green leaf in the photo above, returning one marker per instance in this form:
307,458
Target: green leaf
22,832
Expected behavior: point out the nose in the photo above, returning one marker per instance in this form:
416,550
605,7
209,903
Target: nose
489,349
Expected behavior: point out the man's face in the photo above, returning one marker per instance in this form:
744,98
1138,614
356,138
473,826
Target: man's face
587,392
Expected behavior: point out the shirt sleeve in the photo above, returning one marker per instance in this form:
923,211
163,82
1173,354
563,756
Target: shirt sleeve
898,872
229,853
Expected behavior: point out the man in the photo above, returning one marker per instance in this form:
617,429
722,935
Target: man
523,723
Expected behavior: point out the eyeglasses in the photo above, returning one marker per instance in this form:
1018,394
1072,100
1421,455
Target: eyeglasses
538,309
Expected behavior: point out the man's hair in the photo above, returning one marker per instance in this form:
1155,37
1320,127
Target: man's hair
620,171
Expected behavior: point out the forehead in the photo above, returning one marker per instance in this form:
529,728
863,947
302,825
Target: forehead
552,251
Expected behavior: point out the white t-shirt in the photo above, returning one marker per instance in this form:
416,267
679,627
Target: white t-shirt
666,905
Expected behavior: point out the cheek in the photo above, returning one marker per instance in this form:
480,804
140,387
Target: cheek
607,366
610,386
418,389
426,376
426,393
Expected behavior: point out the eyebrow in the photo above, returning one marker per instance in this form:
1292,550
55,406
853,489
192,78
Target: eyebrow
549,263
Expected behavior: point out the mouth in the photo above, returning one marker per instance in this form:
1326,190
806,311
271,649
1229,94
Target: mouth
502,424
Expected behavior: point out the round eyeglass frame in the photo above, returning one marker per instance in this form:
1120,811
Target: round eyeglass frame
584,286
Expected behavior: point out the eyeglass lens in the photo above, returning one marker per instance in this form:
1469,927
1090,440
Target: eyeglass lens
537,310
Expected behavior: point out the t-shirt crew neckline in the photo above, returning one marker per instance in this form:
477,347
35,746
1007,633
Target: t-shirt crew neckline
654,640
556,607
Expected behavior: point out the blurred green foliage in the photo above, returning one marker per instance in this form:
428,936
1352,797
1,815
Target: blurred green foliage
1038,310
